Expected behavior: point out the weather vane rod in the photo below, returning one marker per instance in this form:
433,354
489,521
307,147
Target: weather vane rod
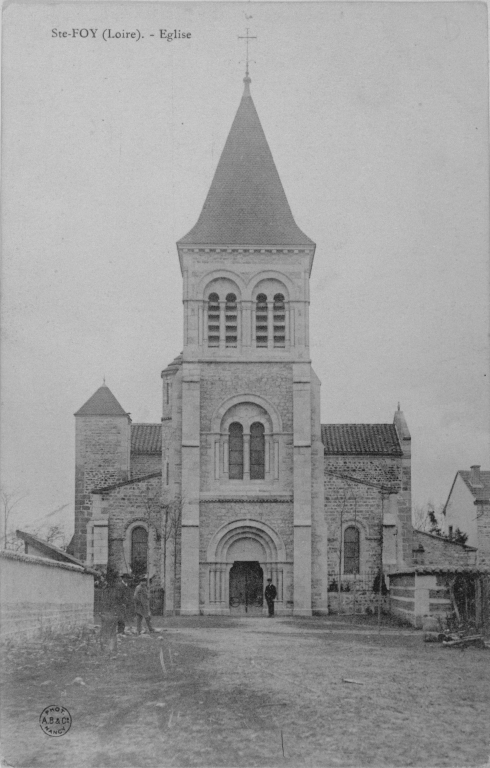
247,37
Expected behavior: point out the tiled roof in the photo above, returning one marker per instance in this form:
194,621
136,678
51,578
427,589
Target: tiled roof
434,569
417,533
246,203
380,439
102,403
146,438
482,493
52,552
174,366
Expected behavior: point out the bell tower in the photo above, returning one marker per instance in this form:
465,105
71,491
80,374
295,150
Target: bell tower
250,400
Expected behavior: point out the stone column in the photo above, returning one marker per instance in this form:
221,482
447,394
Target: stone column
246,313
270,324
204,323
246,456
222,324
225,458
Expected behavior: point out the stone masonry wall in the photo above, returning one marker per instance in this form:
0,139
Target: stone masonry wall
132,503
101,458
145,464
352,503
438,551
270,380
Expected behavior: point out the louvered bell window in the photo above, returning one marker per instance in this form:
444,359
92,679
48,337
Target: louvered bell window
257,451
261,334
213,320
279,321
231,319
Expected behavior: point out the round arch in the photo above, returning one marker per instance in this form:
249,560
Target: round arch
206,284
290,290
263,534
236,400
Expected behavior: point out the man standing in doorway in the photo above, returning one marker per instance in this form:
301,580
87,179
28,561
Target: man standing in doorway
270,596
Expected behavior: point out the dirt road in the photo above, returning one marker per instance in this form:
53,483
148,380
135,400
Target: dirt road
252,692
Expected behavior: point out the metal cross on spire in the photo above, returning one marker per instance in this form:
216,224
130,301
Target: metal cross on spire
247,37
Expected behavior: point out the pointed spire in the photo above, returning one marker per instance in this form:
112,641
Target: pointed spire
246,204
102,403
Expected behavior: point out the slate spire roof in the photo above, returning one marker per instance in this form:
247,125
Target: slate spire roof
102,403
246,203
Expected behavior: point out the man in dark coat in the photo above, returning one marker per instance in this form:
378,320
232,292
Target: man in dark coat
142,606
270,596
123,603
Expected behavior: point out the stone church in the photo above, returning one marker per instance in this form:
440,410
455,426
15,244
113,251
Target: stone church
241,481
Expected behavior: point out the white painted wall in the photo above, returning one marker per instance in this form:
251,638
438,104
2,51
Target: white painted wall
461,512
38,594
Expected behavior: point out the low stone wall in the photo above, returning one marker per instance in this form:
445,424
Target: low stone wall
434,550
362,601
414,597
37,594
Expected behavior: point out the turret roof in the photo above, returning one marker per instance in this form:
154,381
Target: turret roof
246,203
102,403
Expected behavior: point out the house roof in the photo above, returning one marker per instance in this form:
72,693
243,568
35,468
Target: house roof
246,203
146,438
481,493
417,533
434,569
102,403
341,439
51,552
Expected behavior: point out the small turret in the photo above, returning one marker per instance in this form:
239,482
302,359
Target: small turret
102,455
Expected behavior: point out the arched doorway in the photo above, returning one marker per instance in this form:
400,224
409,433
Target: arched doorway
240,556
246,587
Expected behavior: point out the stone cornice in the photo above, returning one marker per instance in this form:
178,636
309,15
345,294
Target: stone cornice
246,249
248,500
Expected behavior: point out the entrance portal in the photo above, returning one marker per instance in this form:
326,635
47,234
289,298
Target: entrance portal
246,588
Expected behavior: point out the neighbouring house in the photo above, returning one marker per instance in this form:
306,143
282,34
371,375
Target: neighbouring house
468,508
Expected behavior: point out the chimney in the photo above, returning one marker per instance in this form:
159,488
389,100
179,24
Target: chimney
475,479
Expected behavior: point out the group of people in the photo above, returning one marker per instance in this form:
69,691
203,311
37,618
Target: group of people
128,604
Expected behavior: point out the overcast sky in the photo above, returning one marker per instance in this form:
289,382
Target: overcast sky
376,115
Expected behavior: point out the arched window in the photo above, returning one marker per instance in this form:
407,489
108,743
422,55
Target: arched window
261,334
139,550
351,549
279,321
213,320
231,318
257,451
235,445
